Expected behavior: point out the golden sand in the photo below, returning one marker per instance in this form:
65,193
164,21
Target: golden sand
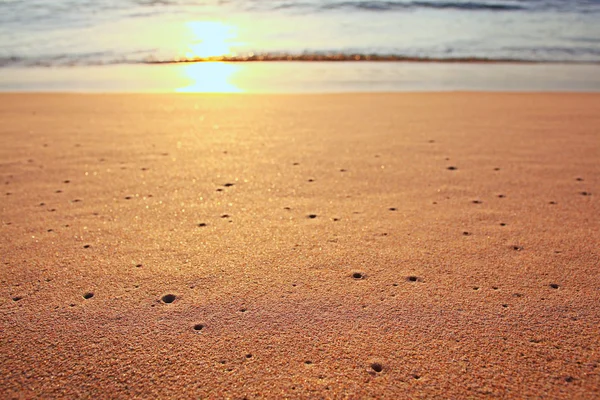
316,246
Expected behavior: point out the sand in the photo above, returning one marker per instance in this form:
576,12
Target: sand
316,246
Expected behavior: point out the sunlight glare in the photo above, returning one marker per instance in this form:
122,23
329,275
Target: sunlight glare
210,39
210,77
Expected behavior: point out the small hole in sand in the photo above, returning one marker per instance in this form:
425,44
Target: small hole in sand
554,286
202,224
87,246
517,248
392,208
225,216
412,278
502,224
552,202
377,367
452,168
243,310
17,298
579,179
228,184
219,190
308,362
168,298
569,379
198,327
477,202
416,376
465,233
311,180
496,169
585,193
88,295
312,216
248,355
476,288
501,196
358,275
139,266
505,305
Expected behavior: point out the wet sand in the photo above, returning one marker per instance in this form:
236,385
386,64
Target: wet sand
305,77
300,246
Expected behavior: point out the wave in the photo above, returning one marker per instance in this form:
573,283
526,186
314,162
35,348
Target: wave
68,61
375,5
581,6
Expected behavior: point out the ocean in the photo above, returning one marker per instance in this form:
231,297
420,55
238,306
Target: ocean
86,32
69,33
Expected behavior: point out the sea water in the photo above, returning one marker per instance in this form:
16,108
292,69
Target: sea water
67,33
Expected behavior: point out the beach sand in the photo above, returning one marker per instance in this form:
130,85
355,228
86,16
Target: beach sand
317,246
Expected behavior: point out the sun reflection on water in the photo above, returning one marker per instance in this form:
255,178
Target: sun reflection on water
210,39
209,77
206,39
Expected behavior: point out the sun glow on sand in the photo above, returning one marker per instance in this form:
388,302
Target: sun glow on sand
209,39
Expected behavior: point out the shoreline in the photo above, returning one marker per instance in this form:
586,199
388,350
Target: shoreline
305,77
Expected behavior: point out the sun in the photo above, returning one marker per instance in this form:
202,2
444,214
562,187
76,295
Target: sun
210,39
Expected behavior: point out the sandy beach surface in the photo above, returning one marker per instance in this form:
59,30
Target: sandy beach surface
300,246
